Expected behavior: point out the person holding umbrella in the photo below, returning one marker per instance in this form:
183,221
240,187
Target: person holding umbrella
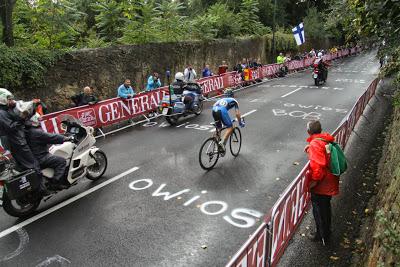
321,182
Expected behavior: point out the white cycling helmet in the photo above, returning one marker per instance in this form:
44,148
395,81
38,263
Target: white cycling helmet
320,55
5,95
179,76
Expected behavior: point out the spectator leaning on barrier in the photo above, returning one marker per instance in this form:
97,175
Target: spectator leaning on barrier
280,59
153,82
312,53
321,182
207,72
125,90
190,74
85,98
223,68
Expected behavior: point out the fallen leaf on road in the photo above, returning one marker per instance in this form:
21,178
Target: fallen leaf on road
334,258
277,178
179,197
354,212
367,211
303,234
358,241
203,246
296,163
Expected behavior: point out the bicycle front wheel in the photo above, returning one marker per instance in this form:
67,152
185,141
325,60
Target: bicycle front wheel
235,142
209,154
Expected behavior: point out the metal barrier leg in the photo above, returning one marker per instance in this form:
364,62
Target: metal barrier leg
101,132
147,119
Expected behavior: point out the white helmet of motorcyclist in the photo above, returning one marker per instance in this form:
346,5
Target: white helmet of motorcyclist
179,76
5,96
319,55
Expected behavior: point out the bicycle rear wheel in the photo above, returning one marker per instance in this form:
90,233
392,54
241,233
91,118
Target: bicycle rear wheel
235,142
209,154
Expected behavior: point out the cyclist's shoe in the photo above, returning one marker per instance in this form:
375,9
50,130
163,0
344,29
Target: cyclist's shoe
242,124
221,148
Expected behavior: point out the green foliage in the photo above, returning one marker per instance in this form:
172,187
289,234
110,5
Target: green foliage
110,19
218,22
47,23
169,22
250,21
390,233
25,68
312,24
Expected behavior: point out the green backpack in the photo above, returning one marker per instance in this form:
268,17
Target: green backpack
338,164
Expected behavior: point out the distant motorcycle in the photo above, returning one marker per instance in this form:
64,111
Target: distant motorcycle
19,191
176,106
320,74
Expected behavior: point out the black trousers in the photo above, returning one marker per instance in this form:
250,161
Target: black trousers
322,214
58,164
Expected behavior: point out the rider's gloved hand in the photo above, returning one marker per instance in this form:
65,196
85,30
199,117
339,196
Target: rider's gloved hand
242,123
69,139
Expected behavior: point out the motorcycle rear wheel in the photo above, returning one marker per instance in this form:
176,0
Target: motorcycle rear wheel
17,208
199,108
96,171
316,81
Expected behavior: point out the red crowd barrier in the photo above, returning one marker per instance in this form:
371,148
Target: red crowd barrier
286,214
115,110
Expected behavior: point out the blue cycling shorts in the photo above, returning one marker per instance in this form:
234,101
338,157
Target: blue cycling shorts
222,115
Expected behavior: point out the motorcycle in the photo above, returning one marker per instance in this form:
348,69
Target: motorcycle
178,106
19,191
319,75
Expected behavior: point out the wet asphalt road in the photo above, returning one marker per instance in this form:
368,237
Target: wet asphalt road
206,216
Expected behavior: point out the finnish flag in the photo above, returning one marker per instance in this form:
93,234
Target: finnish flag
298,33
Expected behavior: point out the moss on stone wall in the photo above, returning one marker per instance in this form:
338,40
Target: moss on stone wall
385,250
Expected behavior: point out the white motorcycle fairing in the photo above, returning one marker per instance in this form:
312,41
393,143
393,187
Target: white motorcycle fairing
78,156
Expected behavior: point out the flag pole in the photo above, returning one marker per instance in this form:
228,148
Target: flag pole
273,34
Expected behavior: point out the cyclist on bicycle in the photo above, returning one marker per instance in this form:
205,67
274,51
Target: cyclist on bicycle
221,116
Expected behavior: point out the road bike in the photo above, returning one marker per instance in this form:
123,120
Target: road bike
210,150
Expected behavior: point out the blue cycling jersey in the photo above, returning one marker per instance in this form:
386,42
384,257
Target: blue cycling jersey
227,103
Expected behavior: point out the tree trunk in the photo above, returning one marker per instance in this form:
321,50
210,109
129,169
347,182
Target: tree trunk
6,10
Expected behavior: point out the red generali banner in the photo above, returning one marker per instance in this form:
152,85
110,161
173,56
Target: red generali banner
107,112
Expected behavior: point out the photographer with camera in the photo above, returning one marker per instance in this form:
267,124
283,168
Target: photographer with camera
153,82
190,74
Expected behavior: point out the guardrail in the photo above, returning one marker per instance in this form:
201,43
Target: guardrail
115,110
267,244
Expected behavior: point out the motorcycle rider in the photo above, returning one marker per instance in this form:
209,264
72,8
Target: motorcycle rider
189,91
179,84
38,141
221,116
322,65
12,131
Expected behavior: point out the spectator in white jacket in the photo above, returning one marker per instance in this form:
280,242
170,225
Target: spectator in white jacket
190,74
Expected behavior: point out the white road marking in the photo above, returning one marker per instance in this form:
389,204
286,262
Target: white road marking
23,242
248,113
65,203
294,91
52,260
